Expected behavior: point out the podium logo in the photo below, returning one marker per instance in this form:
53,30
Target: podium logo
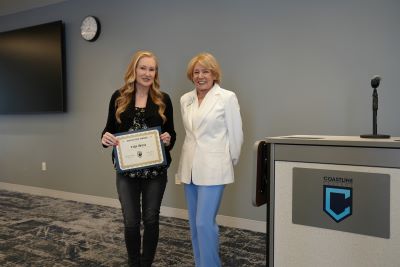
338,202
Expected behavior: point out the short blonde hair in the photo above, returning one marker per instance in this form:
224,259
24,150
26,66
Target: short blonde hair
208,61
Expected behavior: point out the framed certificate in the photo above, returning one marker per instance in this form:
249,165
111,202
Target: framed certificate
139,149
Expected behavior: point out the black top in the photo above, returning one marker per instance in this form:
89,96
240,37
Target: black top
151,117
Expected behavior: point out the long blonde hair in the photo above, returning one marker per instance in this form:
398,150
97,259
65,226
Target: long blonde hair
128,89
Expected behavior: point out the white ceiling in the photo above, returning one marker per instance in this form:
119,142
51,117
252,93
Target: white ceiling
8,7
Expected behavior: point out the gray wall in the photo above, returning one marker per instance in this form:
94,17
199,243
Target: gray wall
298,67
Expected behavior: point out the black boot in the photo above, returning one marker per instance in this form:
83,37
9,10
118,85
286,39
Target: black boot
133,242
150,241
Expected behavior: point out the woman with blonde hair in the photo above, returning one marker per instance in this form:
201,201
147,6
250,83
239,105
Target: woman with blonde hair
140,104
213,140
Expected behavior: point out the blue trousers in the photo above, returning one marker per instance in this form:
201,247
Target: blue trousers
203,204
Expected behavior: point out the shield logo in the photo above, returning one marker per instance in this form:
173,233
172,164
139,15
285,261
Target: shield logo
338,202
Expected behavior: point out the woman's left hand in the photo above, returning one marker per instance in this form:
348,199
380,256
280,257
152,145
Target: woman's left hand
165,138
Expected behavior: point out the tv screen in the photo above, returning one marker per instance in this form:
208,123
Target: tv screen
32,70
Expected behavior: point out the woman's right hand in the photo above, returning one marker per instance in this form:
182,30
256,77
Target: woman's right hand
109,139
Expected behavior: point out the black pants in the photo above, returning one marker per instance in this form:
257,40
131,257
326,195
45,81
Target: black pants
131,192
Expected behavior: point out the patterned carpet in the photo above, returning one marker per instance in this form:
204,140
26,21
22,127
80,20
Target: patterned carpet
44,231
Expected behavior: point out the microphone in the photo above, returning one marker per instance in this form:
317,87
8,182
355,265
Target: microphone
375,81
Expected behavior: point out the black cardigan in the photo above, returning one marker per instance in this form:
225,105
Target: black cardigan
152,118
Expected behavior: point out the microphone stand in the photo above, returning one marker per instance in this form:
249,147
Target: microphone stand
374,119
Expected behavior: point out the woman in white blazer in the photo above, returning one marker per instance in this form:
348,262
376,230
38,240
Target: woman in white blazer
214,136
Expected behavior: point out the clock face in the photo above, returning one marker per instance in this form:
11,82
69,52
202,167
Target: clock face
90,28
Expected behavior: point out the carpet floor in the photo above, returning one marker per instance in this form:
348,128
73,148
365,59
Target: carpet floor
44,231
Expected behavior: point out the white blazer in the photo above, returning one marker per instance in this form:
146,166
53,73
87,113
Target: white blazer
213,138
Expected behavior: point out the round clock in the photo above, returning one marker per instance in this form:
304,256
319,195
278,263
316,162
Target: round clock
90,28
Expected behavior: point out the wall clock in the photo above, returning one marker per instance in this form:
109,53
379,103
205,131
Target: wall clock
90,28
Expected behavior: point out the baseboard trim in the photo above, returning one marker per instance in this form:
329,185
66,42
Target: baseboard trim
252,225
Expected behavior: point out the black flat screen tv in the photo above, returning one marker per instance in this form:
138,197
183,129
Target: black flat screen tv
32,70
